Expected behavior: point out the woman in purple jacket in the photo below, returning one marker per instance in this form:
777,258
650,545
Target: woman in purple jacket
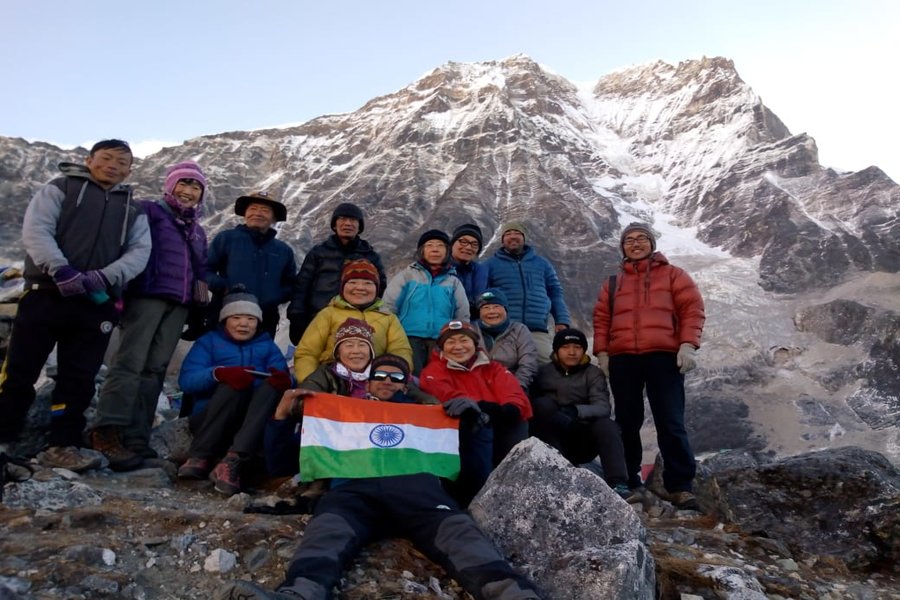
156,307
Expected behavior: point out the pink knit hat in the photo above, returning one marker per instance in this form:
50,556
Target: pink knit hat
184,170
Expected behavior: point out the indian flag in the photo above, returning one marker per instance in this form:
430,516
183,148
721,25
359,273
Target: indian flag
349,437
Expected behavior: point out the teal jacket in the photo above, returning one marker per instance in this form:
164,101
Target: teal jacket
424,303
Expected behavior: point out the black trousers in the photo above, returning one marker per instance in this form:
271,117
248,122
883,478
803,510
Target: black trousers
629,376
80,330
581,441
359,511
233,421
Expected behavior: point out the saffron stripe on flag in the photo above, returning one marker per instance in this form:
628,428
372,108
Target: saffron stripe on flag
391,441
343,408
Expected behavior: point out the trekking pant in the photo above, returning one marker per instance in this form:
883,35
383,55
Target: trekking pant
233,421
151,328
581,441
80,329
421,350
629,375
359,511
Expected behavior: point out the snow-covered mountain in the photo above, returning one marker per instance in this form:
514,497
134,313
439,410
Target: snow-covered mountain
798,263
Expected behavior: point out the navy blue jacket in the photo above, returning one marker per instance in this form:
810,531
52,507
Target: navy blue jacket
264,265
474,277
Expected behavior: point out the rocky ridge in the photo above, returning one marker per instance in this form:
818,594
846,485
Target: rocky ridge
817,526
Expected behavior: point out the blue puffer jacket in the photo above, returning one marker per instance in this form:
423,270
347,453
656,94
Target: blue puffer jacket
424,303
263,264
531,286
216,349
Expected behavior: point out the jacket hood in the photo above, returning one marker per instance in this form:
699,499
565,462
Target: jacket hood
81,171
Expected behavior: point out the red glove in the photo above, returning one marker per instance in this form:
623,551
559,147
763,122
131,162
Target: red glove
237,378
280,380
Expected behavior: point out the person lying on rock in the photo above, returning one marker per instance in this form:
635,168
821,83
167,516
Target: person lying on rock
237,375
357,511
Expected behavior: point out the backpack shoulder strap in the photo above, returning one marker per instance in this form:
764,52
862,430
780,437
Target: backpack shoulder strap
611,292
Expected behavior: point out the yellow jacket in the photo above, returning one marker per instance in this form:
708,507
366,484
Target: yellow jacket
317,344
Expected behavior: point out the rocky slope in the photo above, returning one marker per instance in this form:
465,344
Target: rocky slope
813,527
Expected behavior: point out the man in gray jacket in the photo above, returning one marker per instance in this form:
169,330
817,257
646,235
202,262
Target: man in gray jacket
84,239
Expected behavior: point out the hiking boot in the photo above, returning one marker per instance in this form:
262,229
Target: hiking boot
623,491
108,440
194,468
12,467
684,500
69,457
227,476
246,590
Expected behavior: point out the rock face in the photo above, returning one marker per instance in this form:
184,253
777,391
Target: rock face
736,199
565,527
854,495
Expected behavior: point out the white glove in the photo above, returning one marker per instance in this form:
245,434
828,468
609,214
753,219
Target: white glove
603,363
686,358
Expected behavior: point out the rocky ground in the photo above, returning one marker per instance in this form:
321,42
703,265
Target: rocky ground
141,535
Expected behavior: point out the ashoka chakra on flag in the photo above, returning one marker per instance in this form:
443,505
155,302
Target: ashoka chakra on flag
352,438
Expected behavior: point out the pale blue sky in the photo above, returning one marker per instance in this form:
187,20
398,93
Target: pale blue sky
165,71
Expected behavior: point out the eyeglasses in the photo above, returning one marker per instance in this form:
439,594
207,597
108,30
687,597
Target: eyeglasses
394,376
467,243
631,241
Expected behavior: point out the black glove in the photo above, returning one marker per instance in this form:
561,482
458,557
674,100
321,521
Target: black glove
570,411
491,409
564,417
296,330
501,413
455,407
510,413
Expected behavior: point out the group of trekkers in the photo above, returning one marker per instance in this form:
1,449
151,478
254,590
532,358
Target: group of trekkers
490,342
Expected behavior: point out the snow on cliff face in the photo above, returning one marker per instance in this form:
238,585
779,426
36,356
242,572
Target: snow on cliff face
734,197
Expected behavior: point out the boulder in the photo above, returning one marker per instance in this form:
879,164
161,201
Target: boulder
565,527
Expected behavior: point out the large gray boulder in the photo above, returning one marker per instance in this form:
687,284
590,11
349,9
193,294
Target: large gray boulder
565,527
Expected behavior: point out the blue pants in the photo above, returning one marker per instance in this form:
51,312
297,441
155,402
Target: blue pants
629,376
359,511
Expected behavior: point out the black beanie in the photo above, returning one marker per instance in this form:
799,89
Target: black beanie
468,229
569,336
346,209
433,234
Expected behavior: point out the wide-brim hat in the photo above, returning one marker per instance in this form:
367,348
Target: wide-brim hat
279,209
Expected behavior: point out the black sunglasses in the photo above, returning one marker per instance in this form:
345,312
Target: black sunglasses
394,376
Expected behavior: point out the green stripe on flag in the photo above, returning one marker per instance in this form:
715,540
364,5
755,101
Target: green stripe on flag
319,462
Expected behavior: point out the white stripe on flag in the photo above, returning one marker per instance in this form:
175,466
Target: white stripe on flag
339,435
